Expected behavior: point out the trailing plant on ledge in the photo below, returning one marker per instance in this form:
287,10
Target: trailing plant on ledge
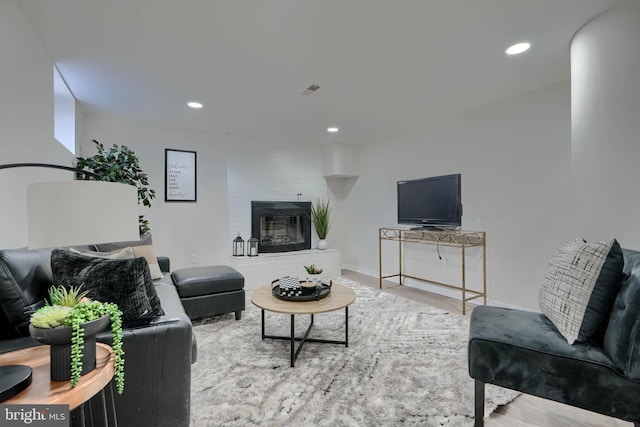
120,164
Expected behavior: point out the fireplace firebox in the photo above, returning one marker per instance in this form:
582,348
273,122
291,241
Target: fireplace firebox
281,226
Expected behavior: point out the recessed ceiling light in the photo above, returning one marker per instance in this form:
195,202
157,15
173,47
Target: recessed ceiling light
332,129
194,104
518,48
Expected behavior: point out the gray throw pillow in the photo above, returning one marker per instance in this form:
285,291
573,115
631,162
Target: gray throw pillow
581,282
126,282
141,248
145,239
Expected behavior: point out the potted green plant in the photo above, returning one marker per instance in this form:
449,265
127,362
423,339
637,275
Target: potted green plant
120,164
320,211
313,273
69,322
313,269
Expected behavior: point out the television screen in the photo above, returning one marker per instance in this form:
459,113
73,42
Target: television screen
431,202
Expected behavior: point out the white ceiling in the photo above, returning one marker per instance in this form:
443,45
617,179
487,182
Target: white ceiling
383,66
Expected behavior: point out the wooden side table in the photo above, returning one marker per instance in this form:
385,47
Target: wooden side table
340,297
43,391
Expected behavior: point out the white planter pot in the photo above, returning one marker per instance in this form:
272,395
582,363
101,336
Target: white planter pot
322,244
314,278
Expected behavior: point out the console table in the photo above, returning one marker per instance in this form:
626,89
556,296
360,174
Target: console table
459,239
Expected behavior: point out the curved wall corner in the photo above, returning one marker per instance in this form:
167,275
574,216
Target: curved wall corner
605,126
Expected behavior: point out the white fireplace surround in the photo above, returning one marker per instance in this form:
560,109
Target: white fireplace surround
263,269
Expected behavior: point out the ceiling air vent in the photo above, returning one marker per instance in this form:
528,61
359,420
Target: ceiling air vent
310,89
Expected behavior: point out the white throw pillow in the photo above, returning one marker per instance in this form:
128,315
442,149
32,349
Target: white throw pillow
150,255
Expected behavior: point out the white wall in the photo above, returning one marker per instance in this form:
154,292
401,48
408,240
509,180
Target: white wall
261,170
515,162
339,192
232,171
26,121
179,229
605,72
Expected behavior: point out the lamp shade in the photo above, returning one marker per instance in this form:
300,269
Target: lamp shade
68,213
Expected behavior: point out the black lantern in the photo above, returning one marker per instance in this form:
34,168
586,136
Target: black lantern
252,247
238,246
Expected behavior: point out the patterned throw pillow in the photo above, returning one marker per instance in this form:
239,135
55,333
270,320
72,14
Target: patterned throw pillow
126,282
581,282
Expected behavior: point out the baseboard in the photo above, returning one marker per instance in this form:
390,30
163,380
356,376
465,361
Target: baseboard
432,288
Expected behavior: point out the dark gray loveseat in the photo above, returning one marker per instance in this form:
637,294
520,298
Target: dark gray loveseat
159,353
524,351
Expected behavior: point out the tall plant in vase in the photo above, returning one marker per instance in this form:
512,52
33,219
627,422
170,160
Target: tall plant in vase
120,164
320,211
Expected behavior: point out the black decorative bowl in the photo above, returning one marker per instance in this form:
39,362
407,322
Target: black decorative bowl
62,335
306,291
60,341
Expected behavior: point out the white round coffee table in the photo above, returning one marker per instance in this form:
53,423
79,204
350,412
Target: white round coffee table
340,297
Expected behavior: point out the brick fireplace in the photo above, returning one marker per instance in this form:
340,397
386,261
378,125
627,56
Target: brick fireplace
281,226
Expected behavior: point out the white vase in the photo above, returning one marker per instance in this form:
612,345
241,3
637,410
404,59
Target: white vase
322,244
314,278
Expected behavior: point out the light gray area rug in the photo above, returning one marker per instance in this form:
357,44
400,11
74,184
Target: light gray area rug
406,364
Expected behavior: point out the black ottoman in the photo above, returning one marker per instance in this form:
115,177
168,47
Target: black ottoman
206,291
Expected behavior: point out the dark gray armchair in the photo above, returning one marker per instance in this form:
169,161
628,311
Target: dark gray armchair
524,351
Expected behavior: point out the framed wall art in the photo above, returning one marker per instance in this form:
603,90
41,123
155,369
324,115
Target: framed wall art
180,177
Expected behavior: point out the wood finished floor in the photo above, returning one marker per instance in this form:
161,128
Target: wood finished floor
524,410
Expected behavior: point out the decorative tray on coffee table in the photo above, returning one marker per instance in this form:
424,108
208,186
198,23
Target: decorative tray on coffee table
291,289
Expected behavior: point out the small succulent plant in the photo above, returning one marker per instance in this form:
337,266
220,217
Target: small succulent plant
313,269
50,316
66,297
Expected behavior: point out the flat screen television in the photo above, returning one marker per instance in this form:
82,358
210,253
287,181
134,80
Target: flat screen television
433,202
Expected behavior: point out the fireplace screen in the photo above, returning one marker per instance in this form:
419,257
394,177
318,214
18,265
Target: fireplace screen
280,230
281,226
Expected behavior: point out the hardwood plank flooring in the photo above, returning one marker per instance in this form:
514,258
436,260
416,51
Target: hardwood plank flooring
524,410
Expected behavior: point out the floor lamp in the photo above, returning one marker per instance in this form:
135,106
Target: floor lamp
67,213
